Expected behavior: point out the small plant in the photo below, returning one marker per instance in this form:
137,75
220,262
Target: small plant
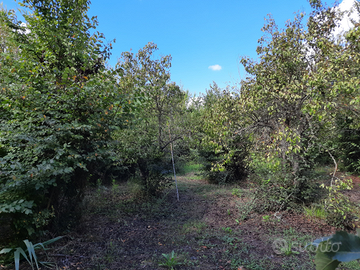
245,208
285,247
290,232
340,211
227,230
115,186
170,260
315,211
266,218
228,212
287,250
194,226
30,248
237,192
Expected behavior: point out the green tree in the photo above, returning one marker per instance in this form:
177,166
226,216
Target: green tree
304,80
223,152
284,103
59,106
336,77
146,141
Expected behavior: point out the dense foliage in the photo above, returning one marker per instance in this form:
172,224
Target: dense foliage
145,144
59,106
68,120
297,107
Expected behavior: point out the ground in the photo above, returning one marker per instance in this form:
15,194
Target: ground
204,229
208,228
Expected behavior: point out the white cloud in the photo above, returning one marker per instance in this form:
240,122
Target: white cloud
27,31
345,23
215,67
195,101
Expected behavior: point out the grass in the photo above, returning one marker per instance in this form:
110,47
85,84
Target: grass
194,226
170,260
354,265
189,168
315,211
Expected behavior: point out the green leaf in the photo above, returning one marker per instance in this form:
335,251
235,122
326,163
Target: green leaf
324,261
31,251
341,247
19,251
6,250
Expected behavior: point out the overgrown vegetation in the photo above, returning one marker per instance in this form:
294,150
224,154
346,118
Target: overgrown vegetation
70,123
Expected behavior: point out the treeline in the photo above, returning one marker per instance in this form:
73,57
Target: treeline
69,121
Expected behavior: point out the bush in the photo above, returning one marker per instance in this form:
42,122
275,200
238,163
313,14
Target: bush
341,212
228,165
349,145
277,187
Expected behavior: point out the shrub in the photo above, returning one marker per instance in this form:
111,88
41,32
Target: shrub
225,165
277,187
349,145
341,212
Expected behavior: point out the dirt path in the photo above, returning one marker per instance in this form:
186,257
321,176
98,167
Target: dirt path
203,228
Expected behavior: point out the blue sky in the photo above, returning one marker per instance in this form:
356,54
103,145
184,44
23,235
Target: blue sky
197,33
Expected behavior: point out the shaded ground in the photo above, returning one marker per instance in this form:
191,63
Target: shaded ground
203,229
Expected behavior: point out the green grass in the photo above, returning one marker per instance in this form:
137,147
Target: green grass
315,211
189,168
353,265
194,226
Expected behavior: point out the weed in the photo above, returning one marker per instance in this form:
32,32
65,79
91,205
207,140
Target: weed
110,257
315,211
194,226
227,230
353,265
290,232
228,240
170,260
30,248
115,186
287,249
237,192
245,208
266,218
341,211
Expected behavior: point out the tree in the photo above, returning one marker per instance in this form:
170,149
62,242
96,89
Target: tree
145,142
59,107
304,78
337,78
284,106
223,152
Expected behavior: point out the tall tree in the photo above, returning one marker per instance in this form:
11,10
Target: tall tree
146,141
60,106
